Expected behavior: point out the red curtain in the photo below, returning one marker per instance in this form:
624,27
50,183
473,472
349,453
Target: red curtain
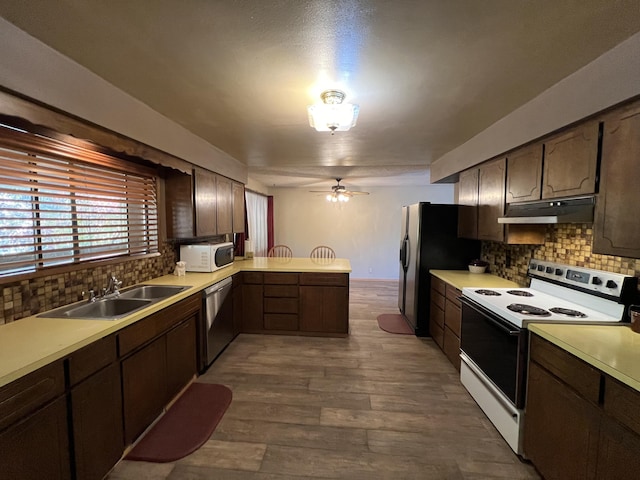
269,222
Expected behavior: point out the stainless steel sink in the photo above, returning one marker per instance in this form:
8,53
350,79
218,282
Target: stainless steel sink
105,309
152,292
113,308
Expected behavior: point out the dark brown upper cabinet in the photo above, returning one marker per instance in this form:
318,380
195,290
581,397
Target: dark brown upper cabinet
238,207
468,204
571,162
616,229
524,167
205,200
491,197
224,205
202,204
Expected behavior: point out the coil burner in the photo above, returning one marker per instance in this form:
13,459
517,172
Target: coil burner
528,310
569,312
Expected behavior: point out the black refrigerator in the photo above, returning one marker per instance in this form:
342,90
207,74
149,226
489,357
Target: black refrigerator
429,240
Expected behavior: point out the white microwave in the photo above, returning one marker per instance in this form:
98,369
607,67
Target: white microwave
207,257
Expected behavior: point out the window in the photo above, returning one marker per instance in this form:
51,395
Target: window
61,203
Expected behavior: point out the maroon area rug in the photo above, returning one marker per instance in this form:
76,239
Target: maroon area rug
394,323
186,426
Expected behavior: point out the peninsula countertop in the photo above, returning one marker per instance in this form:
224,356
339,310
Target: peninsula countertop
464,278
33,342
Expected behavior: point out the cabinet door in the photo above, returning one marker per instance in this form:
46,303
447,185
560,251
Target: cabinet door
238,207
571,161
324,309
252,308
561,428
96,410
491,193
524,174
38,446
181,356
144,388
468,201
618,452
238,311
616,228
205,202
224,205
179,205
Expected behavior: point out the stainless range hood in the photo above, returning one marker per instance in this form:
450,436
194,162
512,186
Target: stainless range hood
567,210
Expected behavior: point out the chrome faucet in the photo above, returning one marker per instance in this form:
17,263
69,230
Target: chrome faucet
113,286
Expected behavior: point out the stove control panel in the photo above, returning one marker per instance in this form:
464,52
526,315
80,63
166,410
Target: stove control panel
608,284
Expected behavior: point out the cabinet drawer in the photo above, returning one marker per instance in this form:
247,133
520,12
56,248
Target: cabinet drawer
452,295
280,305
280,321
438,285
452,347
91,358
622,402
281,278
437,333
281,291
252,277
325,279
437,315
28,393
453,317
437,298
574,372
157,323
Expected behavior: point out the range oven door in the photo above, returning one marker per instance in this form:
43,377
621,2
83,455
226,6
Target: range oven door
498,349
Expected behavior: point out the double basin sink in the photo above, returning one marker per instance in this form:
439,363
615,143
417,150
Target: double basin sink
113,308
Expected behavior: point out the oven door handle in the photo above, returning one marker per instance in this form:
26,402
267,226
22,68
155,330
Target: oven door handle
489,318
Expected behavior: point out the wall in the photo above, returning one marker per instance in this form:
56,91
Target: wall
566,243
607,81
366,230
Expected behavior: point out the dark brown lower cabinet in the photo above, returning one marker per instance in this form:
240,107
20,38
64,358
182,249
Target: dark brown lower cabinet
322,309
618,452
561,428
181,356
252,309
37,447
96,412
144,388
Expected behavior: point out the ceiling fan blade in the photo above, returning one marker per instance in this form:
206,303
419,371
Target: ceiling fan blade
357,193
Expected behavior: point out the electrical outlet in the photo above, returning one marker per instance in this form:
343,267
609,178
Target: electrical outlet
370,270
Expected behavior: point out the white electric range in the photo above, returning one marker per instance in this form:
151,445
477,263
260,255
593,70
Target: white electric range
494,337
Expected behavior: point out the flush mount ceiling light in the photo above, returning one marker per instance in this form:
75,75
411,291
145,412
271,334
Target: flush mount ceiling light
333,115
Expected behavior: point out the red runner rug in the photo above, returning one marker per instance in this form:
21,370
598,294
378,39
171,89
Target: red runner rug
394,323
186,426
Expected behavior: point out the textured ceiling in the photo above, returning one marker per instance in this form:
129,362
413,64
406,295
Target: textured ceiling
427,74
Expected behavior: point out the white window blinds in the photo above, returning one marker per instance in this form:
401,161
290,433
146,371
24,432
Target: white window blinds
62,203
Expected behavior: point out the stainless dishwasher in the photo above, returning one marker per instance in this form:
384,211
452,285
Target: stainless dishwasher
218,324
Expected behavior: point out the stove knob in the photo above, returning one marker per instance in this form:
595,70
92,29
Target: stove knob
540,268
596,281
533,266
611,284
549,270
559,271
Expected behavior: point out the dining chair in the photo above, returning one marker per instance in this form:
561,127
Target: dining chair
280,251
322,251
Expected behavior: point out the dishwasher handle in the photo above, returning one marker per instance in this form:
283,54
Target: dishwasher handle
216,287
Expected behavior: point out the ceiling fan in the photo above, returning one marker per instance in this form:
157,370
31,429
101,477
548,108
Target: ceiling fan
339,193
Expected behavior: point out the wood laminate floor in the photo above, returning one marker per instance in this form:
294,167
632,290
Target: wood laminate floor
371,406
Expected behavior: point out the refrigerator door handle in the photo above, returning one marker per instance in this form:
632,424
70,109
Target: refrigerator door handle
405,247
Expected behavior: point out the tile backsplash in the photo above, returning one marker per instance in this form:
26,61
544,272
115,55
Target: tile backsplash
566,243
28,297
